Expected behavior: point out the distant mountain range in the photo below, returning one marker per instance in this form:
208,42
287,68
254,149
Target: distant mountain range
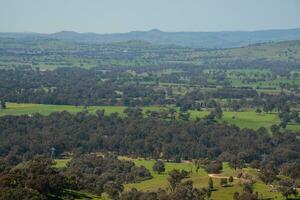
225,39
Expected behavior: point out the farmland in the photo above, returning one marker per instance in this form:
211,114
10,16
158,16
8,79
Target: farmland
243,119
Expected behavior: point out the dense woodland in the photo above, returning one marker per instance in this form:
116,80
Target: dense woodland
23,137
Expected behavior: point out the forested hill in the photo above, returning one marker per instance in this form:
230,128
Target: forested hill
225,39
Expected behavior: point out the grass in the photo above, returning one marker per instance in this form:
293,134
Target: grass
268,85
80,195
61,163
248,119
44,109
199,179
243,119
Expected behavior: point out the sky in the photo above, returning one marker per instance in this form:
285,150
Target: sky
111,16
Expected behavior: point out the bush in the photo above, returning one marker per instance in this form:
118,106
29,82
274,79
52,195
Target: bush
214,167
230,179
223,182
159,166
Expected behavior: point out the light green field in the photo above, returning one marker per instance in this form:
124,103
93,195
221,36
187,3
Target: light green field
61,163
200,180
44,109
236,77
243,119
248,119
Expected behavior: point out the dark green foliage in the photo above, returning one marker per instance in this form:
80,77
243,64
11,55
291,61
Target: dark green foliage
236,161
3,104
145,137
258,111
267,175
286,188
236,196
36,179
175,178
230,179
223,182
214,167
247,194
134,194
210,184
97,174
159,166
113,189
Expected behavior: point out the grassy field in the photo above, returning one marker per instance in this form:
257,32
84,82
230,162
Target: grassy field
200,180
248,119
61,163
44,109
243,119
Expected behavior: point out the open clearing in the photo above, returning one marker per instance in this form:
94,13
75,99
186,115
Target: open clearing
200,180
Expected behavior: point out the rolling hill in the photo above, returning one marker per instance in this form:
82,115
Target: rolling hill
225,39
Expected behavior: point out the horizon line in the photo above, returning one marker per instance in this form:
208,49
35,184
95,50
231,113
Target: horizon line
150,30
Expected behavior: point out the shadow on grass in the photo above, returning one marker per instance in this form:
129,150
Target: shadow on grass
76,194
295,198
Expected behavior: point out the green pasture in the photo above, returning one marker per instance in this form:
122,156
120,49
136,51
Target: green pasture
243,119
200,180
45,109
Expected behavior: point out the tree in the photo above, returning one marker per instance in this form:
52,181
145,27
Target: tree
113,189
37,179
159,166
187,191
286,188
175,177
3,104
247,194
235,162
236,196
291,170
218,113
214,167
184,116
246,179
275,129
200,163
267,175
210,183
258,111
223,182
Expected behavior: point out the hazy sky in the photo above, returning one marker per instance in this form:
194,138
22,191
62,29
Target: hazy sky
107,16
